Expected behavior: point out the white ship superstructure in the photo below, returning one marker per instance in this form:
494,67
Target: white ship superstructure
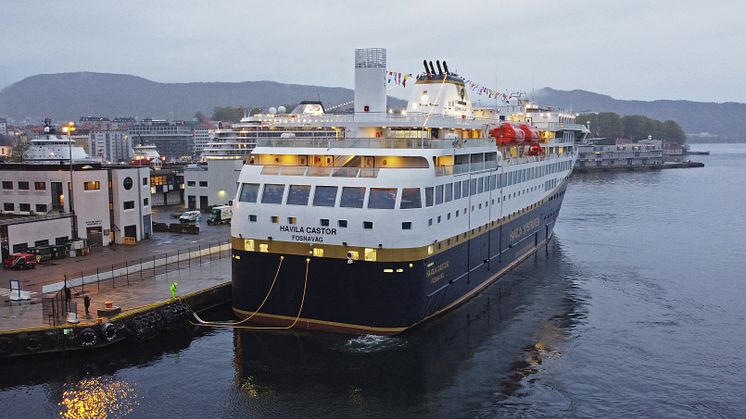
397,216
50,146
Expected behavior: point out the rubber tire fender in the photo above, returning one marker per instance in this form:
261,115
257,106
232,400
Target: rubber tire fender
88,338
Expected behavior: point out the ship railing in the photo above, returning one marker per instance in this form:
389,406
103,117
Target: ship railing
378,143
557,126
459,169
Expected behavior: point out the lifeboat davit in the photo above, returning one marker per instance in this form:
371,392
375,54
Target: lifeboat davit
531,134
507,134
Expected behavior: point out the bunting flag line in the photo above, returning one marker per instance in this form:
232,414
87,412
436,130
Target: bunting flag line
395,78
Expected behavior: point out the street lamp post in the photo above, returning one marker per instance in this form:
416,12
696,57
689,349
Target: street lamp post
69,129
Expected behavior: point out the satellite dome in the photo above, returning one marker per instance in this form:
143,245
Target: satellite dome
272,110
282,109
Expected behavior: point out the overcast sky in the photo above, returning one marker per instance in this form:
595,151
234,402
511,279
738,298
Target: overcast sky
628,49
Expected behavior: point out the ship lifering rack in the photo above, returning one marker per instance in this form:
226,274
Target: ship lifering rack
239,324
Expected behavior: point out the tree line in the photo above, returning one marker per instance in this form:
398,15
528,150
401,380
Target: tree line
632,127
230,113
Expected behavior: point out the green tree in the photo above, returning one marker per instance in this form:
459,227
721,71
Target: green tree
16,153
227,114
200,118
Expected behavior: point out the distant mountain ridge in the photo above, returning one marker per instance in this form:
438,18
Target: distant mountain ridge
727,120
71,95
68,96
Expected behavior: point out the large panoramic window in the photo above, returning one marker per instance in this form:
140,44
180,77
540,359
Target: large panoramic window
352,197
382,198
438,194
298,194
325,196
449,192
410,198
272,193
465,188
429,197
249,192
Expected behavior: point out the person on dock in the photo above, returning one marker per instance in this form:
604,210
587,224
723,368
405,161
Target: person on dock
173,289
87,304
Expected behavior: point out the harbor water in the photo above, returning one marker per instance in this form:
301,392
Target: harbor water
635,309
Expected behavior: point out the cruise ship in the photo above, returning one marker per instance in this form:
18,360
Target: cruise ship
399,216
239,141
51,146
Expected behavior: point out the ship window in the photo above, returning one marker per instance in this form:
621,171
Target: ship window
23,185
274,219
298,194
410,198
448,216
325,196
272,193
430,222
473,186
352,197
493,182
7,184
382,198
252,218
457,213
465,188
368,225
40,186
429,197
406,225
324,222
449,192
249,192
457,190
439,219
480,185
292,220
342,223
438,194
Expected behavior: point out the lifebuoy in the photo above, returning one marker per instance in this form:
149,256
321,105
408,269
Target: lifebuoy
33,343
88,338
109,331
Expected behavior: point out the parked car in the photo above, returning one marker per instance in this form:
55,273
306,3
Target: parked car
190,217
20,261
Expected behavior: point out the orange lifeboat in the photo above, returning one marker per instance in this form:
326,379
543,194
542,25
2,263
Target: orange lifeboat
506,134
531,134
535,150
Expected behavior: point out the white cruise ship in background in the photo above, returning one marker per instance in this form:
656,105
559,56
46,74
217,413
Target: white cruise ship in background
375,222
51,146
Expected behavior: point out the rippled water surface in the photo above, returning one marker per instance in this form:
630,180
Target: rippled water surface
637,308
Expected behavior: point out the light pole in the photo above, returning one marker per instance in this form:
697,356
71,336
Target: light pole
69,129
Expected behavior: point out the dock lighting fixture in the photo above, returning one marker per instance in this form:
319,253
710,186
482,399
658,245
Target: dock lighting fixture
391,111
404,112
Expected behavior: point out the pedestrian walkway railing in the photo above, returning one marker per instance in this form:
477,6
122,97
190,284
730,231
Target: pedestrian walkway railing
131,272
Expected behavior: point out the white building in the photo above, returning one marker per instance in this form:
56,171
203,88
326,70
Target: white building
213,183
113,146
109,203
202,136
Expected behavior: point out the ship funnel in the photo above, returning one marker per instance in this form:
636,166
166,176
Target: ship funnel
445,67
432,69
370,83
427,70
440,71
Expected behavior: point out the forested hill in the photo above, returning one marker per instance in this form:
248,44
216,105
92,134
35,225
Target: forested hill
72,95
727,120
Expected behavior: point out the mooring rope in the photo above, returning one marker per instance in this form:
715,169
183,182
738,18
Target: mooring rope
237,325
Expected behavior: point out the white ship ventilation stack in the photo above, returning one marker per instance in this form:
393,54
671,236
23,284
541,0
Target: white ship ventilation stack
370,84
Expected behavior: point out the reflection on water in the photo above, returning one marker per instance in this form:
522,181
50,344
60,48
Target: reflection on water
97,397
485,353
502,337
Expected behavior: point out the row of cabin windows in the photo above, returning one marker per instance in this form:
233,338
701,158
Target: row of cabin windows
385,198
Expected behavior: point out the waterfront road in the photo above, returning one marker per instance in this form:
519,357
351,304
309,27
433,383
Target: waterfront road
117,254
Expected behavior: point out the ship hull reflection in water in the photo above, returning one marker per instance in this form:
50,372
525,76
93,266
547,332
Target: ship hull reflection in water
490,346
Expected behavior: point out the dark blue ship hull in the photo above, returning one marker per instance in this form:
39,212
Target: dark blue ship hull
383,297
